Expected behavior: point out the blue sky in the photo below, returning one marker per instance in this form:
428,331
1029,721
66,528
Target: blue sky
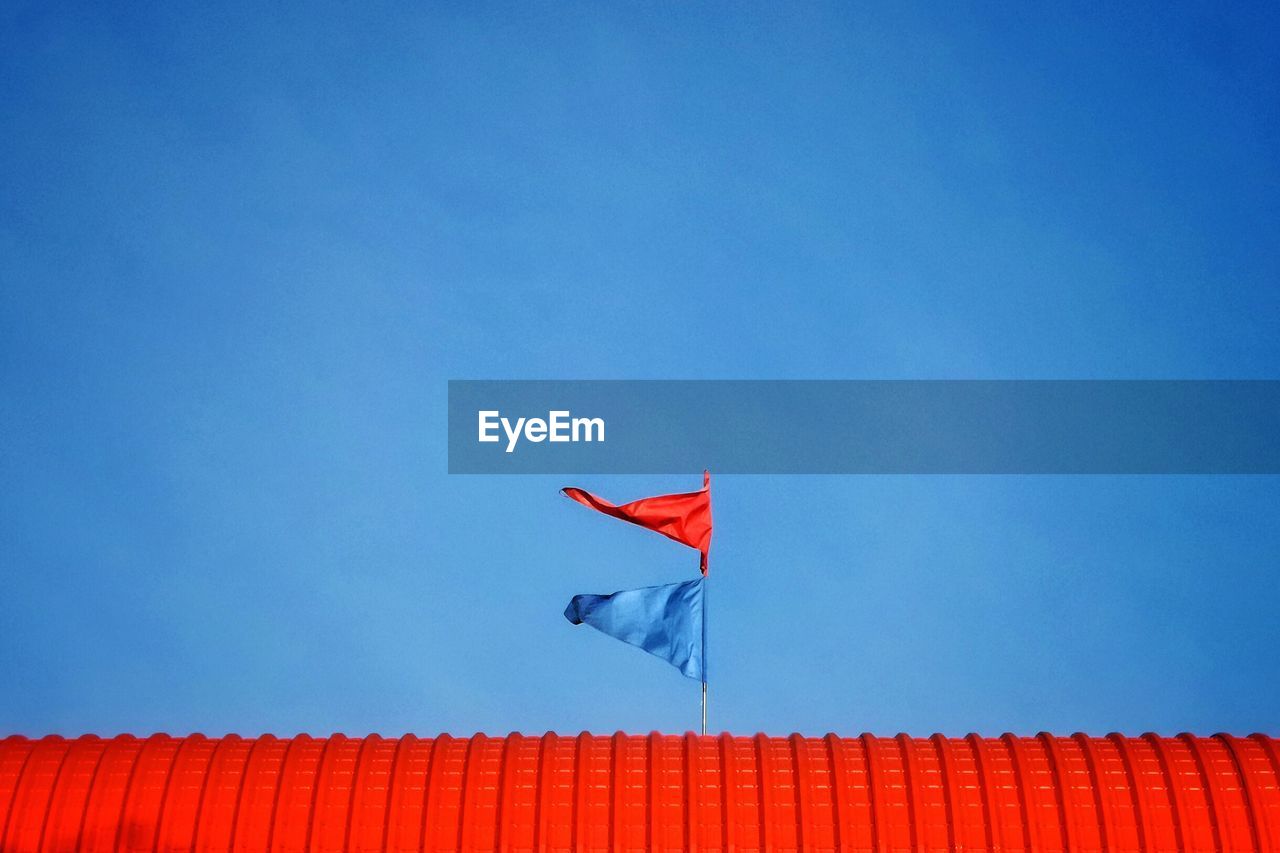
243,250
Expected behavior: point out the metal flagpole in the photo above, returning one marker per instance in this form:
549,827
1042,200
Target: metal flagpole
704,655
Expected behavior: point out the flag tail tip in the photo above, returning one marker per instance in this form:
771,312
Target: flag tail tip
571,611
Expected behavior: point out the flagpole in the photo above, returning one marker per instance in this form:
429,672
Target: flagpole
704,655
706,574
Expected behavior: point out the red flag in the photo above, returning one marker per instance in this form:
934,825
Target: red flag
685,518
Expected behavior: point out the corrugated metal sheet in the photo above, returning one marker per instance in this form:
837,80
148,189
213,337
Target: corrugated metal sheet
656,792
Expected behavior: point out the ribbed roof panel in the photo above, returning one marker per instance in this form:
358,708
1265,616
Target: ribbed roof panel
654,792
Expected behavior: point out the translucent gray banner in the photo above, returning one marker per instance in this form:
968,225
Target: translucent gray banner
864,427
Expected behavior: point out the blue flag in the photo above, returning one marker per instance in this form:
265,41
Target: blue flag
665,621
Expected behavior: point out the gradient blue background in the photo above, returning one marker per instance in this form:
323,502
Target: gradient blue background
242,250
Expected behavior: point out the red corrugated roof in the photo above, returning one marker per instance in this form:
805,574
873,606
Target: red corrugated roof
655,792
